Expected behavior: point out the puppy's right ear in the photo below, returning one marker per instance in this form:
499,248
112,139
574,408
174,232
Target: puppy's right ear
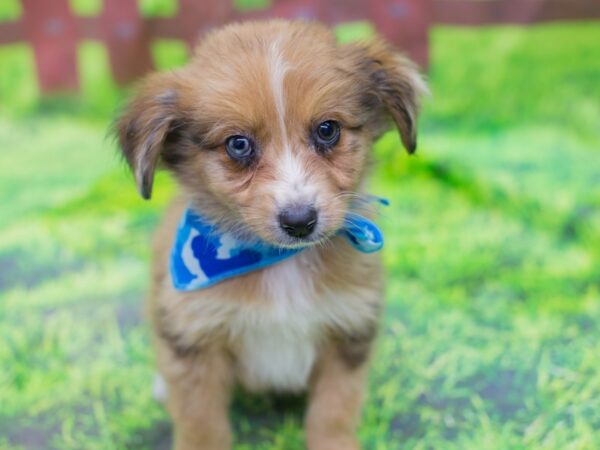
144,125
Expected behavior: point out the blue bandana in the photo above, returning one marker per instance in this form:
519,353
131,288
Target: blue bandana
202,255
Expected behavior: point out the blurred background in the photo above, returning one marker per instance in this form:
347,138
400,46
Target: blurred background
492,327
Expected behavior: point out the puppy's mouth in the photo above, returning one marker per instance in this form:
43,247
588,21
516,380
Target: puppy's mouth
298,243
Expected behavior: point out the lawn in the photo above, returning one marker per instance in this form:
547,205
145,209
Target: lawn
492,326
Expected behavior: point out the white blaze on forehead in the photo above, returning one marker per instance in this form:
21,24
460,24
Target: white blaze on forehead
278,67
292,176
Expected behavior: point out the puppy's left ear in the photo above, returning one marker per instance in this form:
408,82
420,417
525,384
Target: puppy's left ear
395,83
145,124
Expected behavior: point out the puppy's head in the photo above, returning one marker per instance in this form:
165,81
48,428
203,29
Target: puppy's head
269,128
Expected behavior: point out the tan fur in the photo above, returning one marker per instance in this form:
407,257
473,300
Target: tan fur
335,397
307,322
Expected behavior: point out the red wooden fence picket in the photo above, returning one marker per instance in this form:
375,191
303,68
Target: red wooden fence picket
54,32
126,39
50,27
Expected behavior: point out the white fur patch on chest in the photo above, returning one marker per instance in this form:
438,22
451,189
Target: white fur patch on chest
276,357
277,338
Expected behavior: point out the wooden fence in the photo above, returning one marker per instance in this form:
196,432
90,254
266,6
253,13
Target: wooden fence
54,31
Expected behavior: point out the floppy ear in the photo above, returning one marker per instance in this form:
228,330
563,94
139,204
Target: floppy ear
394,81
144,126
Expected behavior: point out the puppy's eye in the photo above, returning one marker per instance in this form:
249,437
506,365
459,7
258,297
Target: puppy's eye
239,148
327,134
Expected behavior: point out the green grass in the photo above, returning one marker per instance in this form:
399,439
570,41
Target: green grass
492,325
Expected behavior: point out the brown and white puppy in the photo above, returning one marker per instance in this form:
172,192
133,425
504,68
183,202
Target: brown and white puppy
269,120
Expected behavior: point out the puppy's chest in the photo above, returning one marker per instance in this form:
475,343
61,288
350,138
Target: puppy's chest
276,340
276,356
276,334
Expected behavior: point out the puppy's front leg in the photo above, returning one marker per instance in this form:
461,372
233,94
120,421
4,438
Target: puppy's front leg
336,395
198,399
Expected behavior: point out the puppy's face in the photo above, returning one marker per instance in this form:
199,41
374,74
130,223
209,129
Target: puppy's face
269,128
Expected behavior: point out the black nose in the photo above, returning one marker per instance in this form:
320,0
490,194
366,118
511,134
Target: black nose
298,221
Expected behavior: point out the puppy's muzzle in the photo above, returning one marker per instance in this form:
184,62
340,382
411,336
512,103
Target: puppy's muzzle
298,221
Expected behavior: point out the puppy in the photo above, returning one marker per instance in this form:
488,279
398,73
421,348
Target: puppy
268,132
